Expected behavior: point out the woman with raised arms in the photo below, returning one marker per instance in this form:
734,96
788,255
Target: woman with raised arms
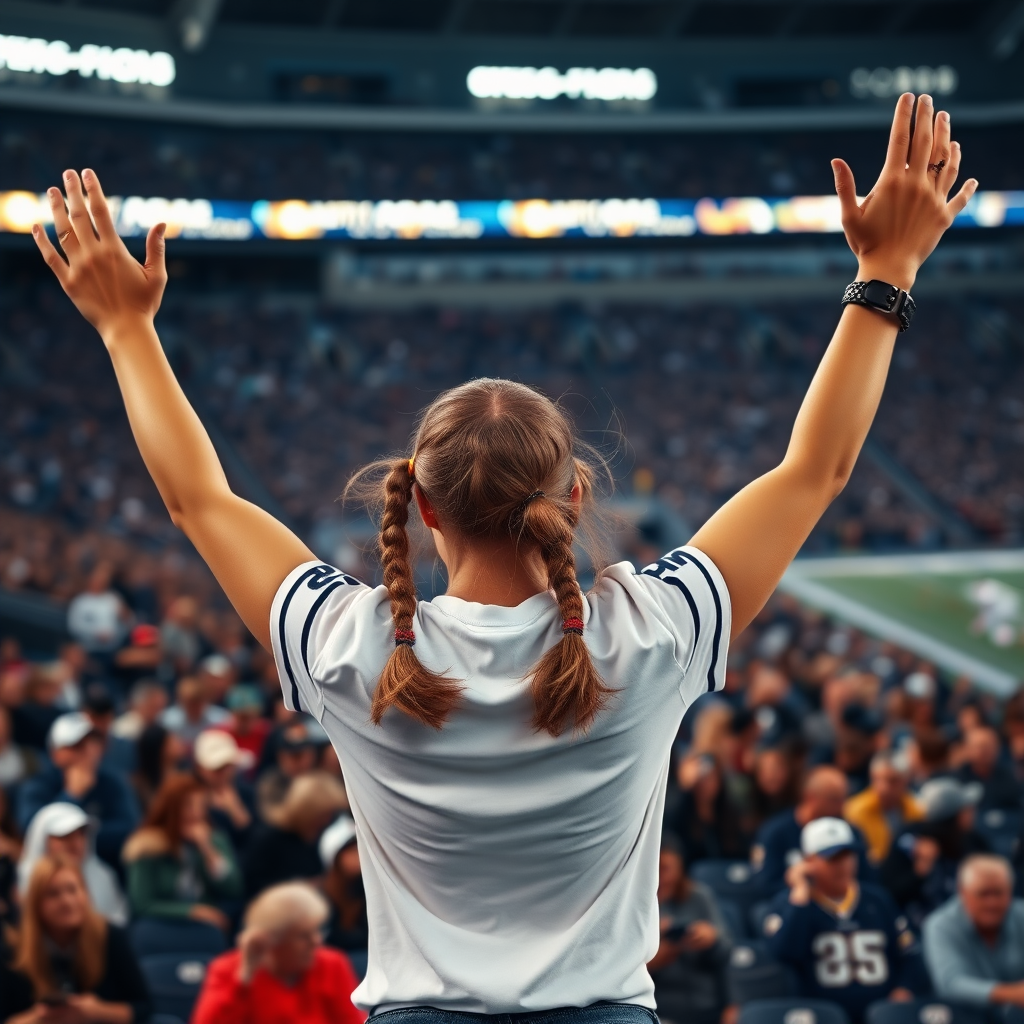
506,745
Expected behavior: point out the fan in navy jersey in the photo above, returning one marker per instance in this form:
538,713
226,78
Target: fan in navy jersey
845,941
777,846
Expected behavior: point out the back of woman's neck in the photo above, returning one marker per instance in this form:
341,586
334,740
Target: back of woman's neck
497,574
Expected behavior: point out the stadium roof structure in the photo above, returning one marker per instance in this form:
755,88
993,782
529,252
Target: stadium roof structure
652,19
516,65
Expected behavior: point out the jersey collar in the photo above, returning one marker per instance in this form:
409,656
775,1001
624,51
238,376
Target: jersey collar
843,908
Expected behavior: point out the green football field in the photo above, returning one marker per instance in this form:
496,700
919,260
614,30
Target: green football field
924,602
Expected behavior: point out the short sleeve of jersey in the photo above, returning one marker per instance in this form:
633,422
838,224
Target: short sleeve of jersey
693,602
307,608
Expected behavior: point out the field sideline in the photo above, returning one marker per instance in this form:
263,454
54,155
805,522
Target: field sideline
962,610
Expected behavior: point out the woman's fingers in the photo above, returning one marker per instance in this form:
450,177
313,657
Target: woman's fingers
51,257
846,189
939,160
921,146
77,209
899,136
98,205
65,232
948,175
962,198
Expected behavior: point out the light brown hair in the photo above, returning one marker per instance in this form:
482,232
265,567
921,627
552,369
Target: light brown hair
482,453
31,956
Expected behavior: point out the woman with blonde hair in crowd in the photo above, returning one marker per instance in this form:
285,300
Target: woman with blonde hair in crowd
284,847
70,965
178,865
506,745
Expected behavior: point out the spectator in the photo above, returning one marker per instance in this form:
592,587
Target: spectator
192,712
844,942
974,944
983,765
294,755
707,821
280,970
147,699
159,753
928,756
179,637
99,707
232,802
98,617
77,777
179,866
70,964
285,846
693,951
347,926
885,808
921,868
217,675
248,725
62,830
775,780
778,843
139,658
14,765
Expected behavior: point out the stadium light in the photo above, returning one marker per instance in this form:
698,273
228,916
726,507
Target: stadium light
41,56
549,83
884,83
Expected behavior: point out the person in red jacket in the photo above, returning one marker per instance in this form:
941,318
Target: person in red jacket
280,971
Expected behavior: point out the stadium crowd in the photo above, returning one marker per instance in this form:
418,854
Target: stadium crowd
842,823
209,163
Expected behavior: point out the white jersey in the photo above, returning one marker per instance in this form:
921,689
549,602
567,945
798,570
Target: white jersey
506,870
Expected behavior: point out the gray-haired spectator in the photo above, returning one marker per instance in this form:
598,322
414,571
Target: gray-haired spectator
147,700
63,830
974,944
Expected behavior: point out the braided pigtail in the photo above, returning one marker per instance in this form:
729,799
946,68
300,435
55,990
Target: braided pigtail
567,690
405,683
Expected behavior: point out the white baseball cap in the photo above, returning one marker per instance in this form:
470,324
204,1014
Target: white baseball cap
335,838
69,730
215,748
61,819
825,837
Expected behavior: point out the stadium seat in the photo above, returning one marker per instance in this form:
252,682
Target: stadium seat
153,936
174,981
735,919
733,880
753,974
792,1011
923,1011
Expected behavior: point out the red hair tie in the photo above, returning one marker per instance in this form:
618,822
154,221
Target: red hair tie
573,626
405,636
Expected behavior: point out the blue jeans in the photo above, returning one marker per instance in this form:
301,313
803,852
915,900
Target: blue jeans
597,1013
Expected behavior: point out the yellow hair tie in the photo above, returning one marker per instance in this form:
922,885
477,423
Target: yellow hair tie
412,464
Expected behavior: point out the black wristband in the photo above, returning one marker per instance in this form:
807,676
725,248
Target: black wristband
882,297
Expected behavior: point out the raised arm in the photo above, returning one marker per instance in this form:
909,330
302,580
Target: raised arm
757,533
248,550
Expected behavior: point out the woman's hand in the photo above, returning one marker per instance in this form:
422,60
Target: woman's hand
107,284
902,218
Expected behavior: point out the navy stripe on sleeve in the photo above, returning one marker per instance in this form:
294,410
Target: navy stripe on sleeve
669,563
315,571
308,624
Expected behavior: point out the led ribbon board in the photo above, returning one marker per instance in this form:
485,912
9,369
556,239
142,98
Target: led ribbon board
297,219
55,57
